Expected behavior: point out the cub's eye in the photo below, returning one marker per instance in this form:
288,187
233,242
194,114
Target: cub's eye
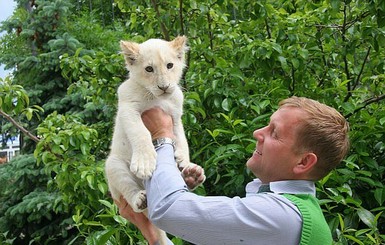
149,69
170,65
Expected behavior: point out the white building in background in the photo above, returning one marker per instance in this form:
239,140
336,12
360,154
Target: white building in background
12,148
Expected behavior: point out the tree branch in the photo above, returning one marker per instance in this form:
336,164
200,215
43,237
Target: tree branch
345,59
166,35
21,128
366,103
267,28
293,81
210,30
362,68
181,16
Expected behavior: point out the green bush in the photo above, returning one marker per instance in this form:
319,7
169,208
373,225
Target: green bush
29,210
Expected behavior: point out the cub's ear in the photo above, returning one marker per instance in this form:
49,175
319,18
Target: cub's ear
130,51
180,45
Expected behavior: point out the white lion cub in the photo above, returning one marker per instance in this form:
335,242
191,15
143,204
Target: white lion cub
155,68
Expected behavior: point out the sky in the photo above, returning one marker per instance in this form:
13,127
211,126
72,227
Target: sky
6,10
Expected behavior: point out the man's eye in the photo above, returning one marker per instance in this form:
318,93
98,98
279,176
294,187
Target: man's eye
149,69
274,134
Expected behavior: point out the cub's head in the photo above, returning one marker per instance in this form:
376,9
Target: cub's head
156,65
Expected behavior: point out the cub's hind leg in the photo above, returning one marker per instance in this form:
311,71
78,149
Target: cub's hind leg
121,181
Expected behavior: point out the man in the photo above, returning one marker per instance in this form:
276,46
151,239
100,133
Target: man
302,143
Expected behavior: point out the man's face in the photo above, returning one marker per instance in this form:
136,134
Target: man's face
274,158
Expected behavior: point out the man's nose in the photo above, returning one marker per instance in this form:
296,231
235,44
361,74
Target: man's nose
259,134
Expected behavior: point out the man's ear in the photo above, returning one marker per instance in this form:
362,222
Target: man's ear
306,164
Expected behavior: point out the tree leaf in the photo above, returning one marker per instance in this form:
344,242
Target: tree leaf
367,217
379,195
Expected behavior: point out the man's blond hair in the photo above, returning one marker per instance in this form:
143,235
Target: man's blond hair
324,131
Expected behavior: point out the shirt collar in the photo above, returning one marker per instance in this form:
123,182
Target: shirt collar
284,186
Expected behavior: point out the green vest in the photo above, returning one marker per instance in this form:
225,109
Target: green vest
315,230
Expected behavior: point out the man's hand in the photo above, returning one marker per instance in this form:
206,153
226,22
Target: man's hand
159,123
138,219
193,175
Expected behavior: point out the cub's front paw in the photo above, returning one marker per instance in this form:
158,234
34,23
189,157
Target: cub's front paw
140,202
193,175
143,162
182,158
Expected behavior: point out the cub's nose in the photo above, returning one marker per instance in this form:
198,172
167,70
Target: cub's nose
164,88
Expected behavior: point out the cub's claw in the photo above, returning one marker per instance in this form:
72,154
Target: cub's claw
140,202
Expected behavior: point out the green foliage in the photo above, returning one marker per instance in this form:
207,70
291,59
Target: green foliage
29,211
14,104
245,56
14,99
94,36
95,78
68,146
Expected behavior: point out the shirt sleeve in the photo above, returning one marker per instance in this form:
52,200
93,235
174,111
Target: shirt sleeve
265,218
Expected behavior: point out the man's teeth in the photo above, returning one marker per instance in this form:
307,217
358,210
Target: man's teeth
258,152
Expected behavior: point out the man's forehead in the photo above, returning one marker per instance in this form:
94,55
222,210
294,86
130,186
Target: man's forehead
288,113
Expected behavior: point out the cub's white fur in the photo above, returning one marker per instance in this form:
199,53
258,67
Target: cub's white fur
155,69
